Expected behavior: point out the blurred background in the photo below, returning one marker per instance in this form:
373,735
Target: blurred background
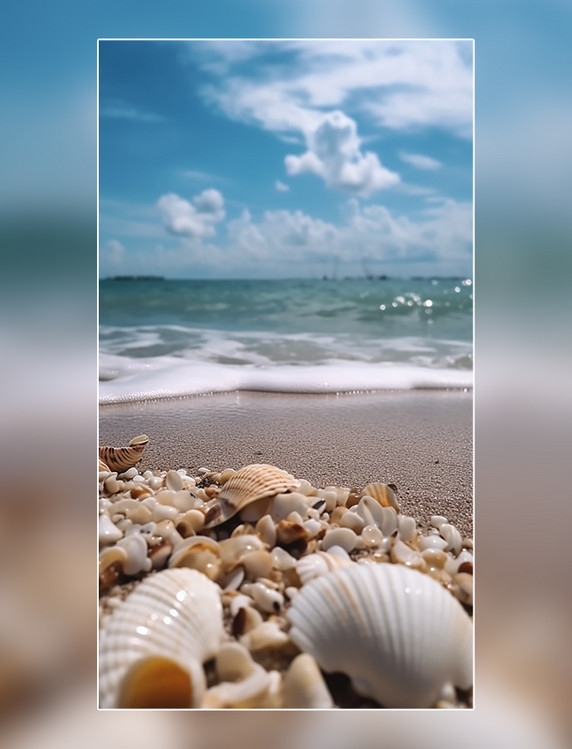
48,335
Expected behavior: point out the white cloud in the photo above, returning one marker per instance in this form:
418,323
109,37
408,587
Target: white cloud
419,161
281,187
334,154
440,237
112,253
182,218
401,84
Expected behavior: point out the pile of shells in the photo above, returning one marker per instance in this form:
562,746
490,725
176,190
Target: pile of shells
254,589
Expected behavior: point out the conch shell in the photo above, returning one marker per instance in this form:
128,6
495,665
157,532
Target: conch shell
122,458
154,643
249,484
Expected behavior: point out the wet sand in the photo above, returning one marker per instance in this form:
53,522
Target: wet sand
419,440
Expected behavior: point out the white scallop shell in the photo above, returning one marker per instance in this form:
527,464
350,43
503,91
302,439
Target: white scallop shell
394,631
249,484
174,615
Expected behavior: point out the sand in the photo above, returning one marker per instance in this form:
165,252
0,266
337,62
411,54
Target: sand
419,440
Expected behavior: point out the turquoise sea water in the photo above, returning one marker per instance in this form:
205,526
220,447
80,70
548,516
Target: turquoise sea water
161,338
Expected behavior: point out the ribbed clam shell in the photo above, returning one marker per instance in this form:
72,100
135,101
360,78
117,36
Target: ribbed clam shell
175,614
394,631
247,485
383,494
121,458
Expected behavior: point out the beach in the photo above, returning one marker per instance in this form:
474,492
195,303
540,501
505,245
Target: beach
421,441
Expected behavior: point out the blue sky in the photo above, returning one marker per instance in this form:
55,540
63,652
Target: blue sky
285,159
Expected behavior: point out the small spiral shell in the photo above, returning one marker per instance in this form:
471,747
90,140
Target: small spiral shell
122,458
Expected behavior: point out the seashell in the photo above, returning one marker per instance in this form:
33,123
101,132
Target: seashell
292,534
283,504
122,458
320,563
199,553
452,537
109,533
160,553
103,467
160,682
383,494
174,481
268,600
111,563
406,527
343,537
352,520
304,686
245,619
394,631
234,548
190,523
266,530
112,485
135,547
403,554
435,559
129,474
330,497
373,537
257,564
463,587
244,683
431,542
282,560
141,492
313,527
248,485
170,623
266,636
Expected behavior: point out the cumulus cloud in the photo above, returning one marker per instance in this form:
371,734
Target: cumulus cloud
196,219
280,235
419,161
440,236
280,186
401,85
334,154
112,253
